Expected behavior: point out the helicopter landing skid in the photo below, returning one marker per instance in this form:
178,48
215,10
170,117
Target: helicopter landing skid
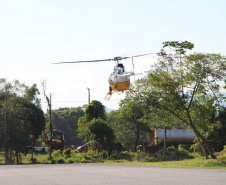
108,96
134,93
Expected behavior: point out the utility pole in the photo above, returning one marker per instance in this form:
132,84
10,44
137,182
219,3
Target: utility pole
88,95
50,127
6,128
164,150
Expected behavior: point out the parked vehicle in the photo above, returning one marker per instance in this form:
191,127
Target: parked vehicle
58,142
83,148
57,139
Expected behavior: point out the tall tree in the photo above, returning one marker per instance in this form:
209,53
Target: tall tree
24,117
66,120
102,134
188,87
129,122
216,131
94,110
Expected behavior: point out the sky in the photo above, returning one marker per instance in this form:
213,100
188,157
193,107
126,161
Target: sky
36,33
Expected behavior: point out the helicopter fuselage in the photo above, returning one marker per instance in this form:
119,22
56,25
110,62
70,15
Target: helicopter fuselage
119,80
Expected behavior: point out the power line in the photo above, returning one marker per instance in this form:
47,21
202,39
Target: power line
78,101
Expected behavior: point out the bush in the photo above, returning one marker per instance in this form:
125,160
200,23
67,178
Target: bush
118,147
180,154
53,161
121,155
69,160
173,153
28,156
67,152
77,157
34,161
57,154
60,161
144,157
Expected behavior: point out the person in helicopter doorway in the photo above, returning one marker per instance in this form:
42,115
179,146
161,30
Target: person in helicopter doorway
119,69
110,90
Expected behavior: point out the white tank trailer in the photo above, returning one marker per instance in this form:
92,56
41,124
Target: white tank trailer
173,136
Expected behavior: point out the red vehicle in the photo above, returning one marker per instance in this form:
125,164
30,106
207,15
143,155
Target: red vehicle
57,139
83,148
57,142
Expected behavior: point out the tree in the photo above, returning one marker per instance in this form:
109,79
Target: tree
94,110
102,134
49,102
188,88
24,117
66,120
129,122
216,131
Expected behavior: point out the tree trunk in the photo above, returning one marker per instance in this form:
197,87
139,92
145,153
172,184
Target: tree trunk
17,157
204,140
202,147
137,140
197,133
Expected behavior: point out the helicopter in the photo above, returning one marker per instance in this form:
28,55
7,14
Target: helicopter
119,79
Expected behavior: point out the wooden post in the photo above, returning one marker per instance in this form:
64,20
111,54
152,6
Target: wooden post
164,150
50,127
6,128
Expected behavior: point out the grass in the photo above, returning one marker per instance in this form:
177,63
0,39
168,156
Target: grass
186,163
175,159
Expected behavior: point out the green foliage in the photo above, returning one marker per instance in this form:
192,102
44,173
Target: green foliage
66,120
34,161
69,160
32,93
95,110
83,129
180,47
67,152
53,161
174,154
121,156
132,156
57,154
181,154
129,123
70,156
216,131
102,134
24,114
60,161
223,157
186,88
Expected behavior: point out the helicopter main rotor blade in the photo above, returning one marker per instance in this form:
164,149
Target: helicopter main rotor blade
112,59
143,55
83,61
